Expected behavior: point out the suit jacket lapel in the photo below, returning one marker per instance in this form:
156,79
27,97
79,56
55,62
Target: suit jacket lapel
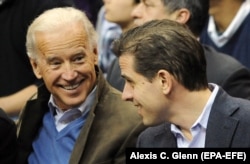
31,122
221,125
81,140
79,146
171,141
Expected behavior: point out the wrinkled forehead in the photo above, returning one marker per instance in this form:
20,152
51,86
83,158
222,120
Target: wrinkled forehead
62,39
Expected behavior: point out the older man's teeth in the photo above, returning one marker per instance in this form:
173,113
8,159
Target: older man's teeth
71,87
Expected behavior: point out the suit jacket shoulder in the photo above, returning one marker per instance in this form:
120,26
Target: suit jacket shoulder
228,126
227,72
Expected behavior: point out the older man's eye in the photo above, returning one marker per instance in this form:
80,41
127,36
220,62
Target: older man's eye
54,64
78,59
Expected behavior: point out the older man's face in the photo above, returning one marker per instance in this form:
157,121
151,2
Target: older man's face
66,62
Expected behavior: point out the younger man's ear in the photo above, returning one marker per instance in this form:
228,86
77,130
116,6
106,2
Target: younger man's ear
166,81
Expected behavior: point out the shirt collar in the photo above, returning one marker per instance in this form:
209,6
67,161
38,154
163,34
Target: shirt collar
54,109
203,118
222,39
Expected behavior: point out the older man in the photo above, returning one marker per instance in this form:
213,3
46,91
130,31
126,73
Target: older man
77,117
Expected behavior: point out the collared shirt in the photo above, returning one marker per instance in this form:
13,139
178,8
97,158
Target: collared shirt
221,39
198,129
58,113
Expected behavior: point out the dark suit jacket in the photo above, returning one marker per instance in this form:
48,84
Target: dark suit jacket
8,139
222,69
227,72
228,126
112,125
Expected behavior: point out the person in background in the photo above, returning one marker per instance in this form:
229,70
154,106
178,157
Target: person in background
124,19
227,29
113,12
79,116
18,82
222,69
8,139
164,68
107,32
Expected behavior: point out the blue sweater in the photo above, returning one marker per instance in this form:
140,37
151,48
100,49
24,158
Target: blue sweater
238,46
53,147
